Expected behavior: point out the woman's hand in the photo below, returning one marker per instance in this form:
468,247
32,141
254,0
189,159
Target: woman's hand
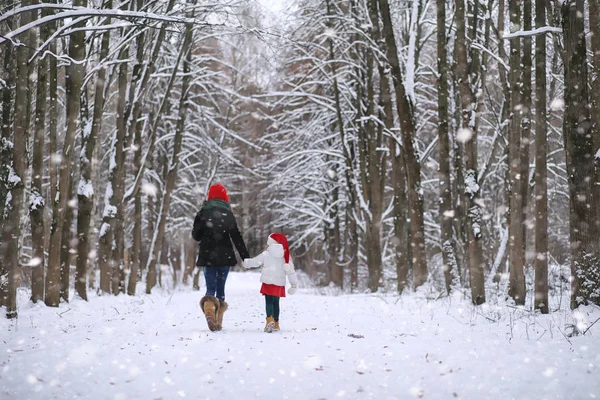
292,289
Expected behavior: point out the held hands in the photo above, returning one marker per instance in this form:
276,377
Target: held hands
292,289
248,264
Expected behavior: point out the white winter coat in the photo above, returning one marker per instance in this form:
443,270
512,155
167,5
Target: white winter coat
275,269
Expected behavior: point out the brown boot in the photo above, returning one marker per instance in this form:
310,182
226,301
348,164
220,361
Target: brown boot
210,308
270,324
223,306
276,327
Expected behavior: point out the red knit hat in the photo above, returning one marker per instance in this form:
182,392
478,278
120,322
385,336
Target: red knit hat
282,240
217,191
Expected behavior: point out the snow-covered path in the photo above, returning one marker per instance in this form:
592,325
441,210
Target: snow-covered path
158,347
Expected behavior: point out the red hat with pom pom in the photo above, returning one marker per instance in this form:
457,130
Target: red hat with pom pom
282,240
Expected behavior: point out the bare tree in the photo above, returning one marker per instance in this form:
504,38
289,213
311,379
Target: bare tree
445,198
467,73
171,177
526,115
413,167
540,263
74,78
515,229
594,13
585,272
11,232
37,202
85,190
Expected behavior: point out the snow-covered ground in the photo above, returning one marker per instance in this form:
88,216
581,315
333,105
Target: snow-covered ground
347,347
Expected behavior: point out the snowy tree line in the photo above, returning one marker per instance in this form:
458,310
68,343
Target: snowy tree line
396,143
436,142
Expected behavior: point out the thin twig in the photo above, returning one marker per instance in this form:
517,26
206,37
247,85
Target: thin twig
588,328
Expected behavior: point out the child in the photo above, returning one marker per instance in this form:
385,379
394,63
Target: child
277,264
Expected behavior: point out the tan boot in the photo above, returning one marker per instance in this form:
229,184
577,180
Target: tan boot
223,306
276,327
210,308
270,324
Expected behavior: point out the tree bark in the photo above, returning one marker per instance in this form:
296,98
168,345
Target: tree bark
540,263
74,79
85,190
110,257
36,203
348,172
449,263
401,227
585,274
467,84
404,109
53,164
526,104
136,249
594,6
65,247
157,241
516,288
370,167
11,226
6,155
8,79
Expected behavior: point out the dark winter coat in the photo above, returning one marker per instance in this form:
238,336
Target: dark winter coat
215,228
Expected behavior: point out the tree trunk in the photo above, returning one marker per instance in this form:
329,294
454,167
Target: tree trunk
515,228
445,193
407,124
401,227
111,257
526,122
85,190
173,166
585,274
11,226
368,166
53,164
540,262
136,249
65,248
594,6
7,79
348,157
467,84
118,284
37,203
74,79
6,155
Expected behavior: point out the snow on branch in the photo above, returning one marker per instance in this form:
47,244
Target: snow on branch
538,31
77,12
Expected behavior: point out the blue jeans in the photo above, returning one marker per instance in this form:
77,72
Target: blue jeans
215,278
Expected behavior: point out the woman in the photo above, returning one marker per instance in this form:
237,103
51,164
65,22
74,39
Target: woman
215,228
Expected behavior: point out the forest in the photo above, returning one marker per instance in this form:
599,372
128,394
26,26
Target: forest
401,145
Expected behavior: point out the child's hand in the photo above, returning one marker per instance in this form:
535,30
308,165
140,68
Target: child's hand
248,265
292,289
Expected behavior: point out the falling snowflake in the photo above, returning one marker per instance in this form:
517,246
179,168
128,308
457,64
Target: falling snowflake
557,104
149,189
464,135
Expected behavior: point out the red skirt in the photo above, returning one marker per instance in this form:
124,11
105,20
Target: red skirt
272,290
